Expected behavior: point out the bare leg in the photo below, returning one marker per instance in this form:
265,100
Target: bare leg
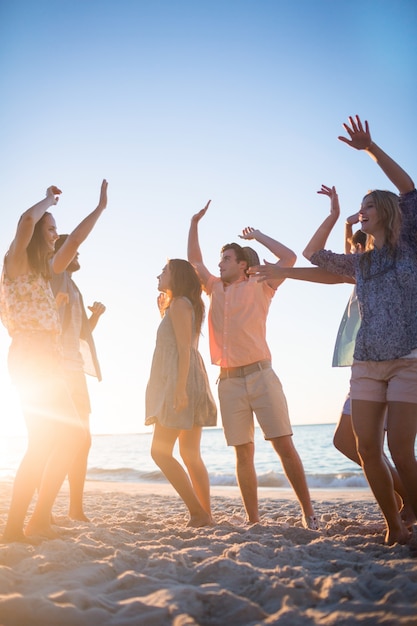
27,480
189,443
76,479
368,423
161,451
401,433
247,479
294,471
51,448
345,441
53,476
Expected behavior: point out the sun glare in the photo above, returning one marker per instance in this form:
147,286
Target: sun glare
12,422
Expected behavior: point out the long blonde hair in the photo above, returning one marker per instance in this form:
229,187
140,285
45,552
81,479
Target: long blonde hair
388,210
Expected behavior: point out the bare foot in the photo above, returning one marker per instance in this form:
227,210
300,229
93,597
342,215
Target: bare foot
43,532
401,536
79,516
407,515
198,521
20,538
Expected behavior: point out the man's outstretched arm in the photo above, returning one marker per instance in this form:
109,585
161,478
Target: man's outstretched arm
285,256
195,256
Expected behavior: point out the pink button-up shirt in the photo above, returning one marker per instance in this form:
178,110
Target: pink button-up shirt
237,321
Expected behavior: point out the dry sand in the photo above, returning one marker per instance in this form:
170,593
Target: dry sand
137,563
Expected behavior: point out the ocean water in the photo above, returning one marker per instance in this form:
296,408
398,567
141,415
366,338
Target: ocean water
126,458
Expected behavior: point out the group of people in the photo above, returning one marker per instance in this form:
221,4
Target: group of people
377,339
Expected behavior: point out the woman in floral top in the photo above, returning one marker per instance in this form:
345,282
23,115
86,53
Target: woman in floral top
29,312
384,372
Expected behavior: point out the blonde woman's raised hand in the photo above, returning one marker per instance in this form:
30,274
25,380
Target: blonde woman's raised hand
353,219
359,136
331,193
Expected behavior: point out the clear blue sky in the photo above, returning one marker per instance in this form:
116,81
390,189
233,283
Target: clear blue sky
240,101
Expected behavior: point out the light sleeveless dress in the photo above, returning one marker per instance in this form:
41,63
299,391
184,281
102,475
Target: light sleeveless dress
201,409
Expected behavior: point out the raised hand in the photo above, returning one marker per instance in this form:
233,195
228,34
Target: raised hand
334,199
97,309
103,194
197,217
53,193
249,233
269,271
353,219
359,137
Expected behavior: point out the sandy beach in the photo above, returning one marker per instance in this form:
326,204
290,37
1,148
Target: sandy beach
136,562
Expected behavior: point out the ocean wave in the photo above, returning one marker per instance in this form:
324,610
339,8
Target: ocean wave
271,479
340,480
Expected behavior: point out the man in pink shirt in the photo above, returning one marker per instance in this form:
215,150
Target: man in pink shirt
239,307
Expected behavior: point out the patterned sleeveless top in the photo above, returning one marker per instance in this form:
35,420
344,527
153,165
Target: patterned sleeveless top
27,304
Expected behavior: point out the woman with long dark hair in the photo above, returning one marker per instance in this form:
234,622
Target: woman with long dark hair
178,397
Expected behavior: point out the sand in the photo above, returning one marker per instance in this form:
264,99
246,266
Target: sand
137,563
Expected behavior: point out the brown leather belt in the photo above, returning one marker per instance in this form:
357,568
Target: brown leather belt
244,370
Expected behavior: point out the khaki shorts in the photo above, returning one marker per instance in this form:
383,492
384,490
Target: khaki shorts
260,393
384,381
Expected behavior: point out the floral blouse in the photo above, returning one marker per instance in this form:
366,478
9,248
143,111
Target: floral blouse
386,288
28,304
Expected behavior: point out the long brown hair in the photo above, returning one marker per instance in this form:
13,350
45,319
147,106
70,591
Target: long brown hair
38,253
185,282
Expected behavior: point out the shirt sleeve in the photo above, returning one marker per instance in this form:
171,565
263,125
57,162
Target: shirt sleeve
408,205
342,264
208,286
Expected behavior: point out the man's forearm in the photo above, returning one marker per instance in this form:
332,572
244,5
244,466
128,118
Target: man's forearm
278,249
193,248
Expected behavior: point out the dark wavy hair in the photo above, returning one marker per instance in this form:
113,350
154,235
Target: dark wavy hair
185,282
359,237
38,253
